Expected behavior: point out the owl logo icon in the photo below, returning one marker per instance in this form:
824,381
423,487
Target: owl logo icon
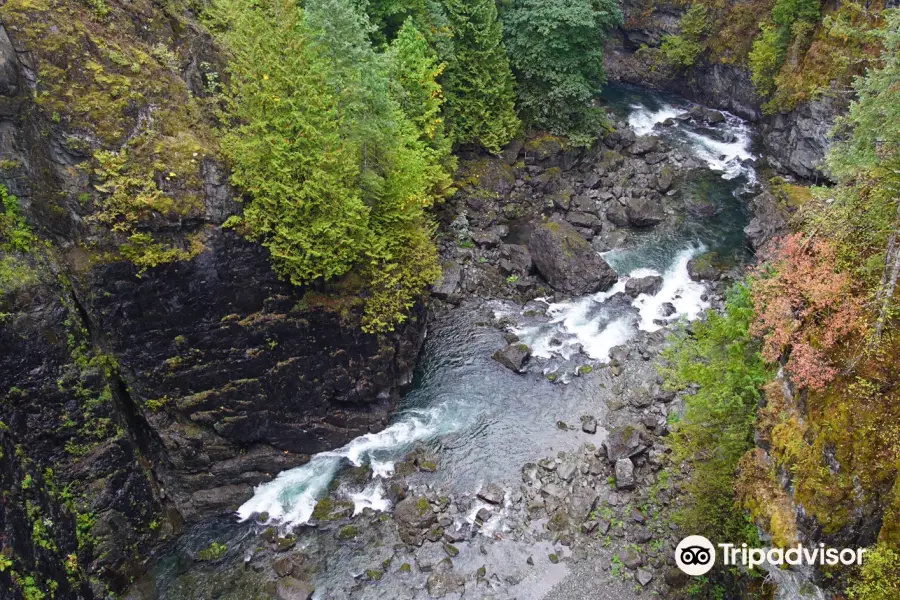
695,555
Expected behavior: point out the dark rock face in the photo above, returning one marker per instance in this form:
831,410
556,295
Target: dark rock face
244,373
769,220
161,399
567,261
796,142
644,211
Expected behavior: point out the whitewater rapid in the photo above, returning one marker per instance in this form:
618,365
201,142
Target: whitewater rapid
591,326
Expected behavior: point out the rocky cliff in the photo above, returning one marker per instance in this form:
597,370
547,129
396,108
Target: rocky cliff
153,367
794,142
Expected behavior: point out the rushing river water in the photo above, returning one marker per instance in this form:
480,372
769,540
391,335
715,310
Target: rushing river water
484,421
481,421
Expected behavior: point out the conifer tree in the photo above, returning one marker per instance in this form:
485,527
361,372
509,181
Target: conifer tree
286,148
415,69
556,50
479,84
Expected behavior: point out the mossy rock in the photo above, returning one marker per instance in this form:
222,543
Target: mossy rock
348,532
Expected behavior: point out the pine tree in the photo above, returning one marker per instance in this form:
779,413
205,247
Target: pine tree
285,145
556,50
415,69
479,86
339,178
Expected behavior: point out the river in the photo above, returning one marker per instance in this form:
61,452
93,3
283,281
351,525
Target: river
481,422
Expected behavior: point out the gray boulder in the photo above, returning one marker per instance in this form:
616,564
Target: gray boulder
513,357
413,515
588,424
449,281
492,494
644,212
567,260
441,584
518,258
644,144
624,474
289,588
585,220
617,215
623,442
643,285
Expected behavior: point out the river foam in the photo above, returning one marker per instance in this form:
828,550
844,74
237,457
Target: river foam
642,119
290,498
596,324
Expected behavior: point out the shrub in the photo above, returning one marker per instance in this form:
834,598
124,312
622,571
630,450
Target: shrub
806,307
723,362
879,577
683,49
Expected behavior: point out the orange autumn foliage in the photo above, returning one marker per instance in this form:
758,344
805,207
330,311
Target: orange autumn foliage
806,308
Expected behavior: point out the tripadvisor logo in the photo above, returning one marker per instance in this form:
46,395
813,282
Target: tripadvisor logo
695,555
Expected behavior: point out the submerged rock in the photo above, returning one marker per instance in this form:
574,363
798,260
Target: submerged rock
589,424
567,261
441,584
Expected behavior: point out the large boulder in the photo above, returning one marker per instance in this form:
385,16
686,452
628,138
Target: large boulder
624,474
414,515
290,588
623,442
644,144
644,211
567,261
513,357
516,259
649,285
449,283
617,215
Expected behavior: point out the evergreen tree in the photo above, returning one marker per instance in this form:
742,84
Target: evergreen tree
415,69
479,85
339,178
556,50
285,145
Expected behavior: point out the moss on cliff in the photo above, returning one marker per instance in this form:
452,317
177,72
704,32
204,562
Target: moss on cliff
109,79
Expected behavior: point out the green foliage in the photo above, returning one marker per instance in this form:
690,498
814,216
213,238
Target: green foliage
683,49
787,12
766,58
479,84
15,235
16,240
214,551
556,51
724,362
339,178
415,67
879,577
865,161
790,19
